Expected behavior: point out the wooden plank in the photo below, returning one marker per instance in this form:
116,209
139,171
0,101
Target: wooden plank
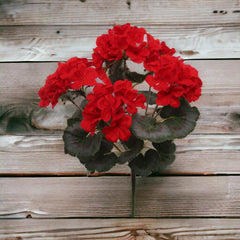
107,12
59,43
187,196
181,229
23,84
111,197
65,197
30,119
42,155
219,105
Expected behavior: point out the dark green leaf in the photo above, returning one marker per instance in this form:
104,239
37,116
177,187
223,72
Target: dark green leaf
116,70
182,120
136,77
146,128
84,103
77,142
166,151
134,145
147,164
77,117
102,161
176,123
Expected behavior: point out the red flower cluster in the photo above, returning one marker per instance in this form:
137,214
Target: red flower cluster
174,79
73,74
127,41
120,41
113,104
171,77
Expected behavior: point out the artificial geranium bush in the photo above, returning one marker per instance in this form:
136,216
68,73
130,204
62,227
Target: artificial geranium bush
115,123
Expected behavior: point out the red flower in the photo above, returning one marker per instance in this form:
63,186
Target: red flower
112,104
129,96
73,74
156,49
119,128
91,116
192,83
137,54
173,80
121,39
170,97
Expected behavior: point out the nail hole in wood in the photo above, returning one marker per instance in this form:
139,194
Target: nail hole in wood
223,12
129,4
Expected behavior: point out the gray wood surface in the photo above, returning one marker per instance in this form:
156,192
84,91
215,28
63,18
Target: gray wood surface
180,196
22,84
46,43
197,197
109,12
196,154
122,229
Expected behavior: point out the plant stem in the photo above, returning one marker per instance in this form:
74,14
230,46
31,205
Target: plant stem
133,180
75,104
155,109
117,147
148,99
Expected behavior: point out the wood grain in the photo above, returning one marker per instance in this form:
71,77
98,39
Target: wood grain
29,119
53,197
44,155
197,197
107,12
23,84
59,43
187,196
122,229
65,197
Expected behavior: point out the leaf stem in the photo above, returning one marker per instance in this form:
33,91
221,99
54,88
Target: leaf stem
155,110
148,99
118,148
75,104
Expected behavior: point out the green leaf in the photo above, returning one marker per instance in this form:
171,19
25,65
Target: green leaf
134,145
103,160
166,151
182,120
176,123
153,96
77,117
147,164
78,143
147,128
154,161
116,70
101,163
136,77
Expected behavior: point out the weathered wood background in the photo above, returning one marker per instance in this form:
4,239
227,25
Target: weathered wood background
45,194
